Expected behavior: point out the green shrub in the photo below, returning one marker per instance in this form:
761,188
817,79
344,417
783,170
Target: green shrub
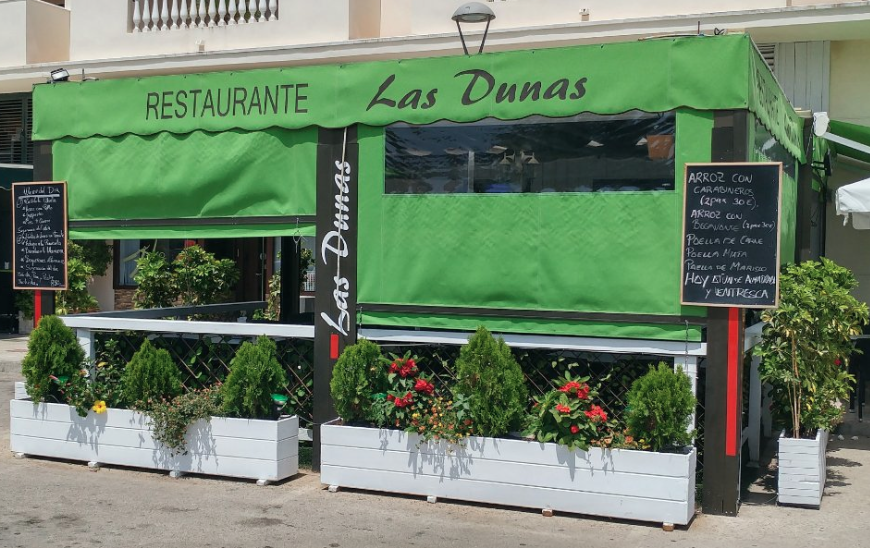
171,418
255,375
52,351
156,286
493,384
201,278
806,344
150,377
356,377
76,299
660,404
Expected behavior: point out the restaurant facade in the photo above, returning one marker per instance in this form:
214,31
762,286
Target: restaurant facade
537,192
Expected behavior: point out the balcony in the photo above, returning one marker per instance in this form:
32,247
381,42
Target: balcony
105,29
33,32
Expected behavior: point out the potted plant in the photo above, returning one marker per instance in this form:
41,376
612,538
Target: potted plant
805,346
399,433
139,414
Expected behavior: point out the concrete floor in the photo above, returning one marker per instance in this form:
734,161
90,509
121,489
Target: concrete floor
47,503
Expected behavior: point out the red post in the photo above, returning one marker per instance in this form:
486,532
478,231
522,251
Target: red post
732,396
37,307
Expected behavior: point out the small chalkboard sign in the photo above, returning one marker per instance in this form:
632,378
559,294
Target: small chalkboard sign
39,229
731,234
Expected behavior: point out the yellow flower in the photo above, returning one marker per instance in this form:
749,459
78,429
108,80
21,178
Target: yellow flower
99,407
101,364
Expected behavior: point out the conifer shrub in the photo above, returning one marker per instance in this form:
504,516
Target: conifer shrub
660,404
255,374
151,376
491,383
52,351
356,377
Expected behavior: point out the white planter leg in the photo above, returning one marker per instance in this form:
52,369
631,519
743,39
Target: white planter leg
175,474
94,466
333,488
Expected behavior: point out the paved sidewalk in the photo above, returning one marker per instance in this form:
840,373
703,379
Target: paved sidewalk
12,350
48,503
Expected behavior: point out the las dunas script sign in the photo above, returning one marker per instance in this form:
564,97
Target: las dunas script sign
335,244
288,98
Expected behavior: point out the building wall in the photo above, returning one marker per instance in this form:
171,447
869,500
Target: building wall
13,37
47,33
416,17
849,81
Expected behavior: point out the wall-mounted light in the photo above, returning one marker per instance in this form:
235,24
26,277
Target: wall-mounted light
59,75
473,12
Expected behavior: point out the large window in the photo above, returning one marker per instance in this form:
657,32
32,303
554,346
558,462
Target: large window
127,252
633,151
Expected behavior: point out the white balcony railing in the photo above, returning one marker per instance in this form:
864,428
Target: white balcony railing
160,15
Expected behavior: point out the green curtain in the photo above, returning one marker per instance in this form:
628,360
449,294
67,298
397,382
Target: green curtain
594,252
230,175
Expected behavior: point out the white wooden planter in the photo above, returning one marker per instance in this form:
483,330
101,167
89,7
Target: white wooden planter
258,449
802,470
619,483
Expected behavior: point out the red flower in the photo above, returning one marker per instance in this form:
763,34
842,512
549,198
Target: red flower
574,428
404,401
595,414
408,368
837,361
390,397
574,387
568,387
424,387
394,368
562,408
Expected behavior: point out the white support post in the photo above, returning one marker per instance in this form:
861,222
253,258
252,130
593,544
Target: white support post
86,341
689,366
754,412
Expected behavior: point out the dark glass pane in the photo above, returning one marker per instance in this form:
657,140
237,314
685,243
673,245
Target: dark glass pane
627,152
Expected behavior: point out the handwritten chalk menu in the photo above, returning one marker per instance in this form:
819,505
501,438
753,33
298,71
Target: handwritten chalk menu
731,228
39,221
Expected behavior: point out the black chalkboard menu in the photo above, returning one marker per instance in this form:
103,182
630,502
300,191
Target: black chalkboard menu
39,229
731,232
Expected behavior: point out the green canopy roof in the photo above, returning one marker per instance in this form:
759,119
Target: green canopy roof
703,73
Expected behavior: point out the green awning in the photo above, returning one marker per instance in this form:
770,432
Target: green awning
159,186
702,73
852,132
12,173
192,232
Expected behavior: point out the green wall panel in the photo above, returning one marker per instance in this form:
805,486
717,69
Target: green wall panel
589,252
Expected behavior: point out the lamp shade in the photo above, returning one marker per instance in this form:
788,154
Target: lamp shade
473,12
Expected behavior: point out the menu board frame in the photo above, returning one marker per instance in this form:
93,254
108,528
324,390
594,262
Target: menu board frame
731,165
15,190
